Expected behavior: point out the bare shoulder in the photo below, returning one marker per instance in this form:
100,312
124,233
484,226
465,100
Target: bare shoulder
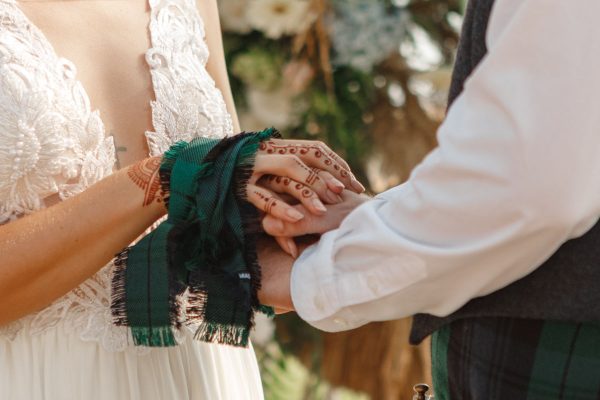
209,12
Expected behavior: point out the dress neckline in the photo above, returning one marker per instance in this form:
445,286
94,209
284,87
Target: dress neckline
52,51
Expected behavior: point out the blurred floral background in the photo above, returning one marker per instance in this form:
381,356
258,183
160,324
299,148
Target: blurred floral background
370,78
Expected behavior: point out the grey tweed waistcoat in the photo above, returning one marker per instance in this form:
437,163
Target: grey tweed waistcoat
567,286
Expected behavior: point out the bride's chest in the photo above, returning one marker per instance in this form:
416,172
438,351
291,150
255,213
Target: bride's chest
143,70
107,42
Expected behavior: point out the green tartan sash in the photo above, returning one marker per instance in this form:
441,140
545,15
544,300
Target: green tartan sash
205,247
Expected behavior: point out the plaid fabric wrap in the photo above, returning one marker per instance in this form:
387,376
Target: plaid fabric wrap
516,359
206,246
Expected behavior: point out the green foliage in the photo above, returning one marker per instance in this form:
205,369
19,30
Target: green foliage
286,378
258,67
270,52
338,118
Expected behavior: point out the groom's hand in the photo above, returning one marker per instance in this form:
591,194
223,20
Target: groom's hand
276,268
315,224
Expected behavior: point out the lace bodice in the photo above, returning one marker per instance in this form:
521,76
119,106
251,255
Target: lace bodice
51,142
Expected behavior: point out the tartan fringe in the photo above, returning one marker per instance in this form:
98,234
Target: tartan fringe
233,335
268,311
153,337
196,302
251,222
118,299
166,166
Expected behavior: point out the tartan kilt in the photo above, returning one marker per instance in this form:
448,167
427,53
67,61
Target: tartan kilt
516,359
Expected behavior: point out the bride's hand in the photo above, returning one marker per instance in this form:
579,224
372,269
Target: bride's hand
312,224
308,171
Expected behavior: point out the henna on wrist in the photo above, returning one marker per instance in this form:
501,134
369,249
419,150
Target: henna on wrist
145,175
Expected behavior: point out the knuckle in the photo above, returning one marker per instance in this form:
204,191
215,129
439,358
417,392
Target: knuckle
292,160
326,175
313,179
268,228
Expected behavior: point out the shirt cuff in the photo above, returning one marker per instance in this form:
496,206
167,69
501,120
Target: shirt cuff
313,289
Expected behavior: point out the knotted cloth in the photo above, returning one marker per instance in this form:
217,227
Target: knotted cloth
199,266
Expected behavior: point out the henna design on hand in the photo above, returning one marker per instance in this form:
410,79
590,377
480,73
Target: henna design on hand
299,187
145,175
274,179
313,176
270,202
330,158
335,157
306,192
282,149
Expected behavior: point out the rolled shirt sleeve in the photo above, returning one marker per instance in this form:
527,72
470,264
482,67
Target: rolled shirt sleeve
516,174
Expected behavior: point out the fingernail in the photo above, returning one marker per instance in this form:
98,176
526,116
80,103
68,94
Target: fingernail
319,205
357,185
294,214
337,185
286,247
292,247
272,225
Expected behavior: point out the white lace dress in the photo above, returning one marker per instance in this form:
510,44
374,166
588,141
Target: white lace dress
52,143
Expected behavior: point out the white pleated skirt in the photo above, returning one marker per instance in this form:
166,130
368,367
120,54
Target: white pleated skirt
58,365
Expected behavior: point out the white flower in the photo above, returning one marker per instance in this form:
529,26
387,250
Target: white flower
276,18
264,329
277,108
233,16
364,32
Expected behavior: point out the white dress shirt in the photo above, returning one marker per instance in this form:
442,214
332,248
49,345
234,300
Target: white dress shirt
515,175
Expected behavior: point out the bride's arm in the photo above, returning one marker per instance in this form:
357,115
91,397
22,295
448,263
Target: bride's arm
52,251
48,253
216,62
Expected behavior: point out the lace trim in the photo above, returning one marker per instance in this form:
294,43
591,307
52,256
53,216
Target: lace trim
177,25
48,102
51,140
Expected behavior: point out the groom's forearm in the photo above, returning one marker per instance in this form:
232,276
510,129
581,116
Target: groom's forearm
514,177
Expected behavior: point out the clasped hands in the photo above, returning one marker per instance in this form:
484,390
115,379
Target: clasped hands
303,188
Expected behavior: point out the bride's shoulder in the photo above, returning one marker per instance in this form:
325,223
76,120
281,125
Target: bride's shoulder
15,32
10,16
